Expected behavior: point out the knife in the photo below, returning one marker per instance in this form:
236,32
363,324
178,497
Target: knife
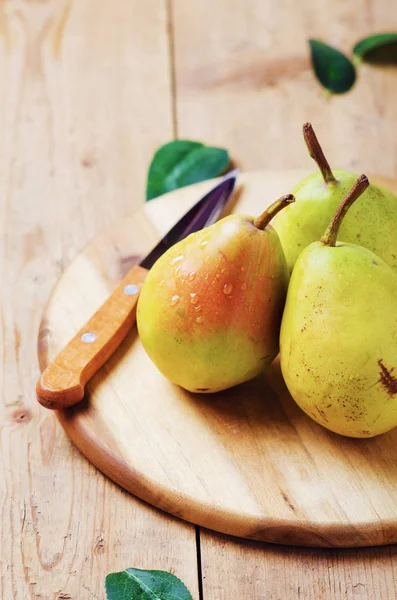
63,381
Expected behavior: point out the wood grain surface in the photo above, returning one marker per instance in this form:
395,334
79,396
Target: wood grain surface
63,525
247,461
88,91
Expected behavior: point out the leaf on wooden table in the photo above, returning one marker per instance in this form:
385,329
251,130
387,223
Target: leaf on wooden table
183,162
136,584
332,68
380,48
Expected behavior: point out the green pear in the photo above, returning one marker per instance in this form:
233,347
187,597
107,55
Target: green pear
338,339
210,309
372,222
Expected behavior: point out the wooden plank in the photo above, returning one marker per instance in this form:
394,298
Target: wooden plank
243,81
81,112
234,568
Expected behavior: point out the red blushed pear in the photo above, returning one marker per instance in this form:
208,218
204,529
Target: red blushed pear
210,309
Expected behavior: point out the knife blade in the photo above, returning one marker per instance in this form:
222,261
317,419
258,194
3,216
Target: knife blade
62,383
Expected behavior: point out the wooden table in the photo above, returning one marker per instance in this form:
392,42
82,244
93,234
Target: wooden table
88,90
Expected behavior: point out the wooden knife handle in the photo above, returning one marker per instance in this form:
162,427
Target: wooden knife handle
62,382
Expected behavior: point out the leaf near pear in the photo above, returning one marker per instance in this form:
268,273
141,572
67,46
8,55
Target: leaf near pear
183,162
137,584
332,68
380,48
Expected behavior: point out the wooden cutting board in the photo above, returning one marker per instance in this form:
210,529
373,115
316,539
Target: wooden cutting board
247,461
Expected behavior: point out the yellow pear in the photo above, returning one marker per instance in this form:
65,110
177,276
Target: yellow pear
338,341
372,221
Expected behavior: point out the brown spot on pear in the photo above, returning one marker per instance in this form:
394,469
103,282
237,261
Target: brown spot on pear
347,305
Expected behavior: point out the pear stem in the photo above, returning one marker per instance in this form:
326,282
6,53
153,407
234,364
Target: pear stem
264,219
317,154
331,234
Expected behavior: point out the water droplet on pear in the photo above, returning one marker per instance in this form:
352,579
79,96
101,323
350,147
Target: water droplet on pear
177,259
174,300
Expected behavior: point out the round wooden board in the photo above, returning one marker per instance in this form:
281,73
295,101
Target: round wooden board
247,461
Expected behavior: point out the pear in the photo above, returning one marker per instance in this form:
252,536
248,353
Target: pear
371,223
210,309
338,339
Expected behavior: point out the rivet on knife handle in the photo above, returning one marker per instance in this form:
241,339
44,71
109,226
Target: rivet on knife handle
62,382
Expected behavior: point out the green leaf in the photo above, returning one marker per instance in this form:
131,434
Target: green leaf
135,584
332,68
183,162
378,48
